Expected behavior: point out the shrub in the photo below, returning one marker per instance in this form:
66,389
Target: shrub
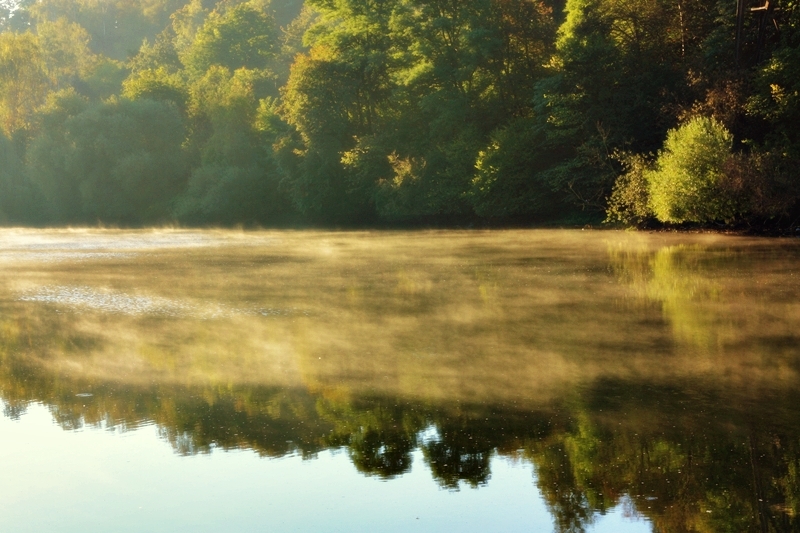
629,202
683,186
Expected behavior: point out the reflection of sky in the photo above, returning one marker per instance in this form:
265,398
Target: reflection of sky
102,480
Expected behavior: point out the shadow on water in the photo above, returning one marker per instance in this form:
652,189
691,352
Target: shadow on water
659,372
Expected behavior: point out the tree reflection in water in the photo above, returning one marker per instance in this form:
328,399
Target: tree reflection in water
686,467
625,369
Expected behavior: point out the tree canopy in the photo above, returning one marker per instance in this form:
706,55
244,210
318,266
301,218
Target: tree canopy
404,111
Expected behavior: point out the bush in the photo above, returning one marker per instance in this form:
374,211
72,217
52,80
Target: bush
684,185
629,202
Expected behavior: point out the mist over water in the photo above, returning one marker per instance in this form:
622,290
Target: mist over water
590,380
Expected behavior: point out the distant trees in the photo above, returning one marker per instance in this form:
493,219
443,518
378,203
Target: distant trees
183,128
117,161
243,37
367,111
229,82
394,101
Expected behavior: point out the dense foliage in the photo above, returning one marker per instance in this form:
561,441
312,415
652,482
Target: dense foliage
398,111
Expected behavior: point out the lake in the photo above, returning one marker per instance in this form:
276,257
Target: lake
526,380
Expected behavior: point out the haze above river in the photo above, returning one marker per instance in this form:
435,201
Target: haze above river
398,381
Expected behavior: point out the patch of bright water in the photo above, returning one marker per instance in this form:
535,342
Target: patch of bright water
24,244
77,298
100,479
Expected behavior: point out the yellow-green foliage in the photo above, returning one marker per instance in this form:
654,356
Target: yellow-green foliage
683,185
629,200
156,84
23,81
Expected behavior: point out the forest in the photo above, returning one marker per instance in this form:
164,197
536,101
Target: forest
342,113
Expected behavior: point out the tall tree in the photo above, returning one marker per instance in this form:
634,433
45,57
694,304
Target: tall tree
23,80
243,37
65,47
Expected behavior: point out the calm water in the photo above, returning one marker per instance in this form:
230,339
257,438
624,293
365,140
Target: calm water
398,381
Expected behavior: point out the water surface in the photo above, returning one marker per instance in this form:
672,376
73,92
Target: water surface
398,381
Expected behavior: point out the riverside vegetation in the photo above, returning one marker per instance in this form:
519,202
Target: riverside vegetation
348,112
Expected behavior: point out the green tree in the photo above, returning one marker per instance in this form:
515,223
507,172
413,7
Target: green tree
65,50
47,156
157,84
119,161
776,95
242,37
236,179
683,185
116,27
18,200
329,103
186,21
395,100
468,69
161,54
617,80
23,81
629,202
509,181
103,80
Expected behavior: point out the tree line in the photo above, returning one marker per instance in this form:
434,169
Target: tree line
368,112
